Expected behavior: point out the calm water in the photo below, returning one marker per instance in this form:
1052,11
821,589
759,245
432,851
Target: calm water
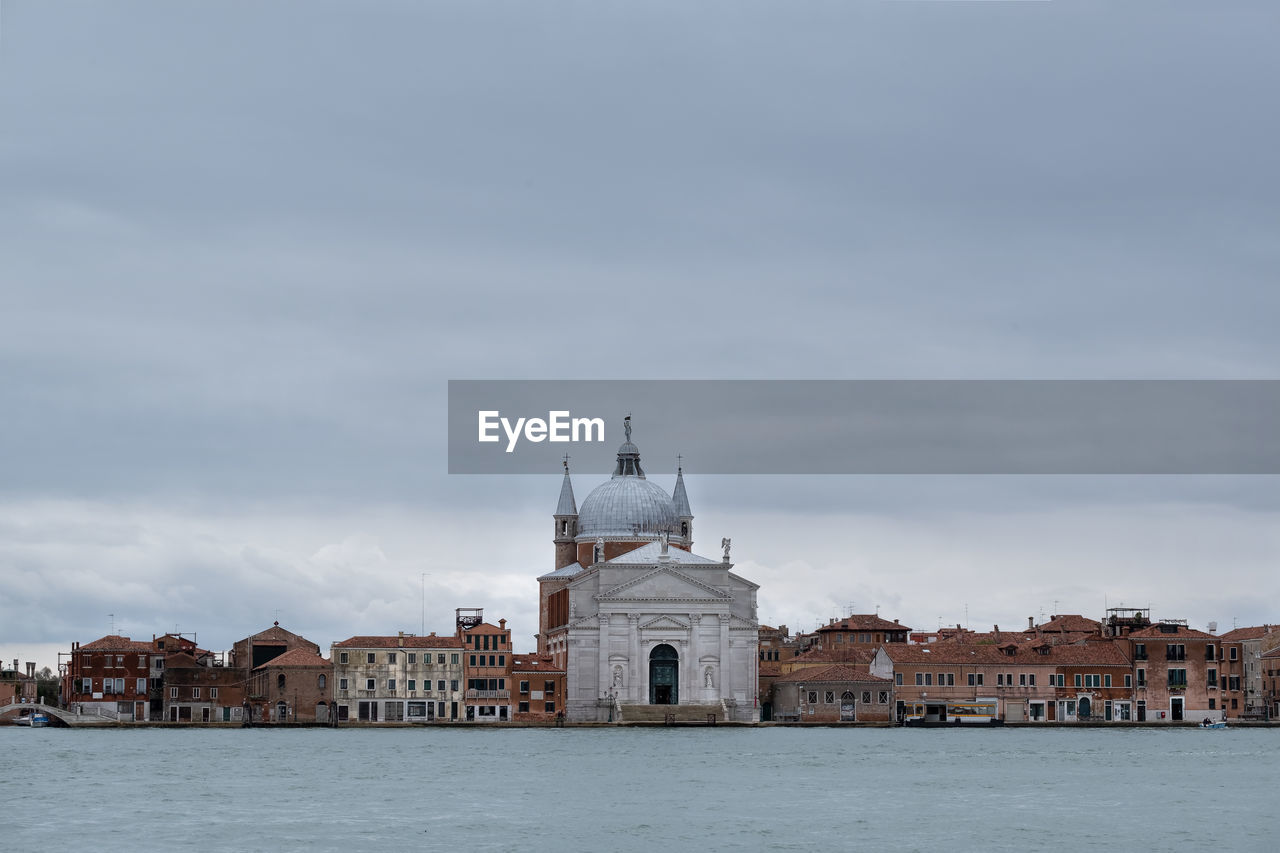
633,790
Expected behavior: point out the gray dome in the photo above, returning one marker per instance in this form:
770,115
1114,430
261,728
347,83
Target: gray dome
625,506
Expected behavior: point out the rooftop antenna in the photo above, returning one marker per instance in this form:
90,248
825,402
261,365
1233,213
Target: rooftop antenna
966,614
112,617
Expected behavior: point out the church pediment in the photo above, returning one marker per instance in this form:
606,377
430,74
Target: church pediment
591,621
737,623
666,622
664,584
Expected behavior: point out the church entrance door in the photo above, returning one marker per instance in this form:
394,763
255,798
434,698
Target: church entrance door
664,676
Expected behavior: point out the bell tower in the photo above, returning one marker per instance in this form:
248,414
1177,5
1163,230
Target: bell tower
566,518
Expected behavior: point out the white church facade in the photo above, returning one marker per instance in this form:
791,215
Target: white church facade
633,615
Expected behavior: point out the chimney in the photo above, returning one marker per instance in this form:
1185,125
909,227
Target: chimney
997,632
502,623
402,636
1031,622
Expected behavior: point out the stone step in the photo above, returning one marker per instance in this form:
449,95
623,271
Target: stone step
682,713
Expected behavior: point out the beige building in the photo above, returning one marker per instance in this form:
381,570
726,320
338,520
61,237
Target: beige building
399,678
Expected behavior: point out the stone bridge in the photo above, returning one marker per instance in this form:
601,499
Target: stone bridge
10,712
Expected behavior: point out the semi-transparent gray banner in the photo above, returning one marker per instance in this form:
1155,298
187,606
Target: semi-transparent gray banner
868,427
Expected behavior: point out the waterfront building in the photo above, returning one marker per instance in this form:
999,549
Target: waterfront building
17,687
837,693
397,678
1255,641
291,688
633,615
109,677
200,689
1270,686
1184,674
487,661
539,689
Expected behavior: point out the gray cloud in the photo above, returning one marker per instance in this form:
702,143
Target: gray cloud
246,244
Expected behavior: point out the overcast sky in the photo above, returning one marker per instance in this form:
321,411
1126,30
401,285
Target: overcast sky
243,247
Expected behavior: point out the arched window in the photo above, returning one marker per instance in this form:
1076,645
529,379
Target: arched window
280,681
320,681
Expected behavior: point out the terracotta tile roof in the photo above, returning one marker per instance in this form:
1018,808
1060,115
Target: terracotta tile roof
838,672
395,641
838,654
953,653
295,657
1068,622
864,622
1255,632
1274,653
116,643
770,669
525,663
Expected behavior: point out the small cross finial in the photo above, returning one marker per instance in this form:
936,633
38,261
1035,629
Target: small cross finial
566,463
679,463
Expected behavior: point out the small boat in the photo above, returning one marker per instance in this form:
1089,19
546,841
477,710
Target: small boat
1214,724
36,720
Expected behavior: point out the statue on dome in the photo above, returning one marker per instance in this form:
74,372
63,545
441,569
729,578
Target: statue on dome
626,427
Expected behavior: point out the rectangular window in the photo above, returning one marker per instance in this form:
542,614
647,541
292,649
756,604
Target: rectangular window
813,697
1208,651
370,658
413,685
973,679
1235,684
391,657
370,684
1232,654
342,684
999,679
1213,704
453,659
897,678
213,693
979,679
1142,678
173,693
1022,679
551,707
342,658
928,678
1212,678
1177,678
919,679
1139,651
413,657
142,686
1106,681
524,707
440,685
473,660
391,685
120,661
453,684
884,697
829,697
942,679
1079,680
524,687
195,692
1128,680
1031,679
549,686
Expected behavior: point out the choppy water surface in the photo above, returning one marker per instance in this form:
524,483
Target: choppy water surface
633,790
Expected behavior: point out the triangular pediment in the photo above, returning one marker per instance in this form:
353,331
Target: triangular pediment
737,623
590,621
664,584
665,621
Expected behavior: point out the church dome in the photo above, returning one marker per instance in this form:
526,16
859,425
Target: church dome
628,504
